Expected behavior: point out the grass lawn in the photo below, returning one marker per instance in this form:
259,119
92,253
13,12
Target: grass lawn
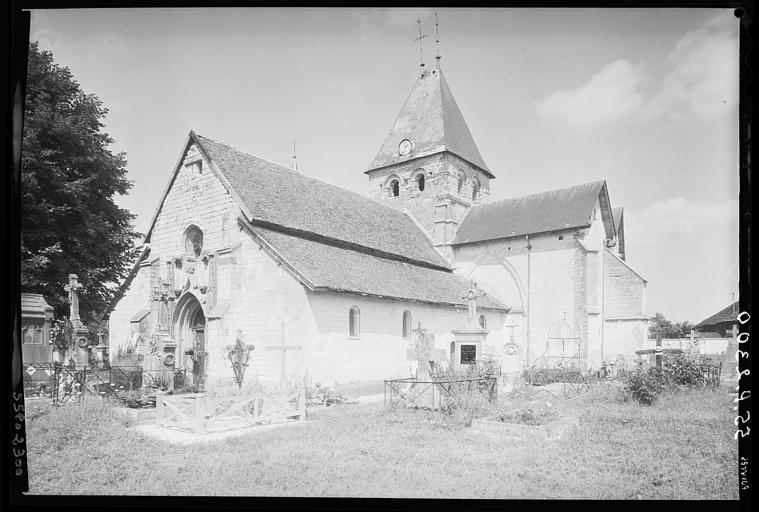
680,448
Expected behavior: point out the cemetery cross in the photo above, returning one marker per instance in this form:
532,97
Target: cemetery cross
283,348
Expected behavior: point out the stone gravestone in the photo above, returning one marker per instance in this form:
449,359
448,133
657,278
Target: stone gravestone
510,366
423,345
424,348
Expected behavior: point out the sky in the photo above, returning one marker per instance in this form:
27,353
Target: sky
646,99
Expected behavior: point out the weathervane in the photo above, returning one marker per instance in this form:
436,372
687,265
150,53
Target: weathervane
421,36
437,42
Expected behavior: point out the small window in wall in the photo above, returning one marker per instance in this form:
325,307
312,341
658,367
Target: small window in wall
193,241
395,188
483,322
468,354
420,182
561,237
407,324
475,188
354,322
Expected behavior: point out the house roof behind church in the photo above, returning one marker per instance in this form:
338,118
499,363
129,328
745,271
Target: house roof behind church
432,121
283,198
564,208
728,314
329,268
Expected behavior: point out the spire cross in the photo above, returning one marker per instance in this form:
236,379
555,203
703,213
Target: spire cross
421,36
295,158
437,42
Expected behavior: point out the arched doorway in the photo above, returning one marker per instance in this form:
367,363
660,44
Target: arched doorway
190,335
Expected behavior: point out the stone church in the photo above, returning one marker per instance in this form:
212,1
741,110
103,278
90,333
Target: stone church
330,284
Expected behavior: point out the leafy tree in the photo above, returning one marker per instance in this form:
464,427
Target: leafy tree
668,328
70,223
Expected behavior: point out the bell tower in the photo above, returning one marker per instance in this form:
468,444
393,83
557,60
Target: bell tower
429,166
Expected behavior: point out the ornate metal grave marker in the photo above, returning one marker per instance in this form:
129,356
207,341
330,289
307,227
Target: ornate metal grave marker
239,354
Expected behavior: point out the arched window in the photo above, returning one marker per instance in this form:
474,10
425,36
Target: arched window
483,322
394,188
354,322
193,241
419,178
475,188
461,181
407,324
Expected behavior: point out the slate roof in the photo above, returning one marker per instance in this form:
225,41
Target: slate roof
279,197
564,208
728,314
432,121
326,267
34,304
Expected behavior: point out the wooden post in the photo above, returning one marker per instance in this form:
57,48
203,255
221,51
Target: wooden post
159,407
302,402
200,412
658,350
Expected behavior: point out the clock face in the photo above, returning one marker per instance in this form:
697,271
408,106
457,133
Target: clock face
405,147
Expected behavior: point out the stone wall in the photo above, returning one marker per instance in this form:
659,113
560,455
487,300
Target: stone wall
562,272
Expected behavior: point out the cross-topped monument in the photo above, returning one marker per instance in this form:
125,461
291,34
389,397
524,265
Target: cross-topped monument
471,295
73,288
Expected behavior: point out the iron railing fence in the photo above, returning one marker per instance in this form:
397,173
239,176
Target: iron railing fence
122,383
434,392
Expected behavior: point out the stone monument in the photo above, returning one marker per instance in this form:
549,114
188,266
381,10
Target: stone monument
469,339
80,331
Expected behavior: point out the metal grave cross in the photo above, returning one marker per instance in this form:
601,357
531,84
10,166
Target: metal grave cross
283,348
239,353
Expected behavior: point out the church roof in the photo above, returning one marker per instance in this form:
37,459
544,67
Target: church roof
326,267
560,209
728,314
432,121
278,197
617,214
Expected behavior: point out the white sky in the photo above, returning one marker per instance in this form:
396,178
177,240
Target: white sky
644,98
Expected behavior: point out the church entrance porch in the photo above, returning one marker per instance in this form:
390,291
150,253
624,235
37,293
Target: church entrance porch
190,335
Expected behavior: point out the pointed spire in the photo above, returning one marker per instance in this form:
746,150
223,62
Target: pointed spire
430,122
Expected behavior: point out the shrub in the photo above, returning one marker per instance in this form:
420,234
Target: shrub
644,385
682,370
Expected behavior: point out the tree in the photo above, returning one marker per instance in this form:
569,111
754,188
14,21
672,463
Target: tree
70,223
668,328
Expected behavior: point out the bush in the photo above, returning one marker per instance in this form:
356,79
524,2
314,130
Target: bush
684,371
644,385
679,370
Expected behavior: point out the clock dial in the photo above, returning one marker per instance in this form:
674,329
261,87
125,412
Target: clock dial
405,147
